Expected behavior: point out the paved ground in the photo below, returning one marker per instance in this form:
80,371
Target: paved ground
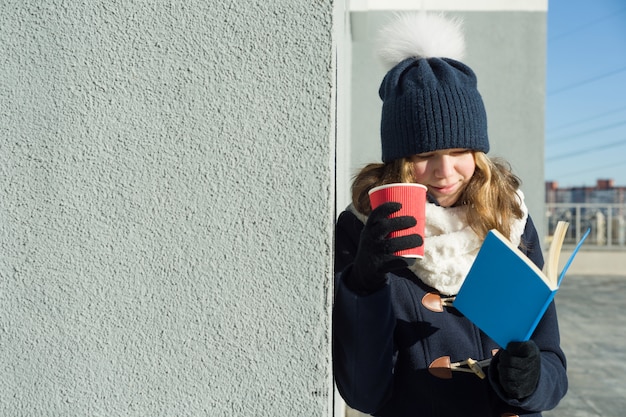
592,318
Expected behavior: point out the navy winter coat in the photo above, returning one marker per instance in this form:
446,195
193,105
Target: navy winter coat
383,344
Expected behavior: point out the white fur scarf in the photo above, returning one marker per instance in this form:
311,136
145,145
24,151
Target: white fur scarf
451,245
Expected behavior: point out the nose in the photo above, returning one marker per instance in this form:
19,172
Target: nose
444,166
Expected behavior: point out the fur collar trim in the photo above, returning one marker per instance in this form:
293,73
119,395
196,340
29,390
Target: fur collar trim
451,245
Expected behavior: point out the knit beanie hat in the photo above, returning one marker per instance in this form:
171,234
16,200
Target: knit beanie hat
430,98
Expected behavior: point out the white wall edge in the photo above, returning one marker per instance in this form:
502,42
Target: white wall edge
457,5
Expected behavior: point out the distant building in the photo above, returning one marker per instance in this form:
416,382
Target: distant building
604,192
601,208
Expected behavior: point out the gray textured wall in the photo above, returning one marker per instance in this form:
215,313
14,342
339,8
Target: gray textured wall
165,208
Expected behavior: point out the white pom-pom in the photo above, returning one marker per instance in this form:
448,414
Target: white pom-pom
421,35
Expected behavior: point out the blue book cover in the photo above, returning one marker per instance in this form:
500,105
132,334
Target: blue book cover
505,294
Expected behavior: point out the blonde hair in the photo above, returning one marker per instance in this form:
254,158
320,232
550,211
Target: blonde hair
490,193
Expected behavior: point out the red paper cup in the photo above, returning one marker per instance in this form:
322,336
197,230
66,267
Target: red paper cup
413,200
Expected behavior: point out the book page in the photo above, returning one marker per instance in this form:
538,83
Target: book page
552,263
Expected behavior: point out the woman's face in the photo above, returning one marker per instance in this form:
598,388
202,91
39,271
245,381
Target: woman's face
445,173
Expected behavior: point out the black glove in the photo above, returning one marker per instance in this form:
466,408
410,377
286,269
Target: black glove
375,257
518,368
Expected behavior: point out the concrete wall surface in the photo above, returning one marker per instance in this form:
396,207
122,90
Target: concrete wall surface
166,208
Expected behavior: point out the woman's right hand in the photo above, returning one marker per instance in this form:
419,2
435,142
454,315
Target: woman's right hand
375,255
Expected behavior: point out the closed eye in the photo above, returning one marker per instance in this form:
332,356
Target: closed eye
423,156
460,152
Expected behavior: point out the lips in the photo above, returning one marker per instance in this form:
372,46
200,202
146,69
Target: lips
446,189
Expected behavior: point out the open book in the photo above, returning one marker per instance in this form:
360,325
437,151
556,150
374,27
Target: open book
505,294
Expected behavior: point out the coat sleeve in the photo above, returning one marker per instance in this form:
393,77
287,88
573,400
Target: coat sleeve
553,383
363,327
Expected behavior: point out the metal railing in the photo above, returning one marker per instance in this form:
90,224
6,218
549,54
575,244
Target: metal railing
606,221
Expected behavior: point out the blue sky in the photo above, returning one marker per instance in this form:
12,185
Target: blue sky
586,92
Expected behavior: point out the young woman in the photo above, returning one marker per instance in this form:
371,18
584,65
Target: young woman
400,348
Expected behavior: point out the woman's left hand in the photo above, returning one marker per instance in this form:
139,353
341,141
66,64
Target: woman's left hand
519,366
